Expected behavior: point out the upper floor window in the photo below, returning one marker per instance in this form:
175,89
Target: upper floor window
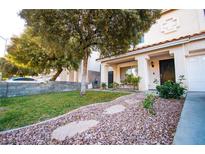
142,39
170,25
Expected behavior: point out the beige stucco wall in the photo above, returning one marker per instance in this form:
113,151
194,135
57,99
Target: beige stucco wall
189,22
75,76
179,53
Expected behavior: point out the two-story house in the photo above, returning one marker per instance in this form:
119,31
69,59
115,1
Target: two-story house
93,73
174,46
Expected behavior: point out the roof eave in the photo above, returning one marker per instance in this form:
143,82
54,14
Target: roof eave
153,48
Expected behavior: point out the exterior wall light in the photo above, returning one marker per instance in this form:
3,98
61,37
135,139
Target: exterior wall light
152,64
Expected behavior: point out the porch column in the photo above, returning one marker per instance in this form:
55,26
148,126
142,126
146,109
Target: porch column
104,73
116,73
180,63
143,72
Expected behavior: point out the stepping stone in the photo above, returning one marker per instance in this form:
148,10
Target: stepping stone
131,101
73,128
114,109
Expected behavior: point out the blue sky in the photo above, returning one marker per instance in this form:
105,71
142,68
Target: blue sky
11,24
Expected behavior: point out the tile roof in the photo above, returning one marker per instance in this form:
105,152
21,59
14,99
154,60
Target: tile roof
163,42
167,41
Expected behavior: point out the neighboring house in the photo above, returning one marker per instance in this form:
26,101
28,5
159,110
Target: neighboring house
174,46
92,75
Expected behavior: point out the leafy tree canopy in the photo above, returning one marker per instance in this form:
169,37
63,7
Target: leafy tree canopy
111,32
9,69
29,50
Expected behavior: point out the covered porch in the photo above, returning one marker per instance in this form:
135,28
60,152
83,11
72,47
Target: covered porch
153,68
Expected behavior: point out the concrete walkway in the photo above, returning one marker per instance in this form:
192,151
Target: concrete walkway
191,127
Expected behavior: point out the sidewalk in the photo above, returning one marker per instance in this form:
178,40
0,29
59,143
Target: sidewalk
191,127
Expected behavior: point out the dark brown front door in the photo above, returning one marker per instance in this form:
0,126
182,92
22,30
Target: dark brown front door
110,77
167,71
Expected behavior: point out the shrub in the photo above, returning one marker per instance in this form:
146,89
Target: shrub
115,85
171,89
103,85
148,103
130,79
110,85
135,81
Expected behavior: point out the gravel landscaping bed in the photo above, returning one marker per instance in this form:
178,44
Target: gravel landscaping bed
134,125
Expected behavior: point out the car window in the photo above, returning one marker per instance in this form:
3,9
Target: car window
18,79
24,79
29,79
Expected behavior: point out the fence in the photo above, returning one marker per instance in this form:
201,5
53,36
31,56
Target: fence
22,89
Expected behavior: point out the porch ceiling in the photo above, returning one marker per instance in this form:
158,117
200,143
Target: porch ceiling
121,60
159,54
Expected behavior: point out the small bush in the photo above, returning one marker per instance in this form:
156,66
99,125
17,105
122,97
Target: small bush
110,85
103,85
130,79
135,82
115,85
148,103
171,89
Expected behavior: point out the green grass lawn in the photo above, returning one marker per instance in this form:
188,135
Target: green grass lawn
25,110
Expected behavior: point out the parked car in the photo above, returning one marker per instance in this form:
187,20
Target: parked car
23,80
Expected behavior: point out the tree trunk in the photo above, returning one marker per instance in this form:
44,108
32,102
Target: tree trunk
84,75
57,74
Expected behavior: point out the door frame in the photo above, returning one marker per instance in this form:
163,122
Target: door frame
160,69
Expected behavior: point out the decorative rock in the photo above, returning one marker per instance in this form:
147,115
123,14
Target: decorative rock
132,126
72,129
114,109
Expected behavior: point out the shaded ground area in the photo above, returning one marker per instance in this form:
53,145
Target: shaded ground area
130,124
25,110
191,127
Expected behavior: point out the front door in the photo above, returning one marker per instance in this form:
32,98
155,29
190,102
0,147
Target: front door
110,77
167,71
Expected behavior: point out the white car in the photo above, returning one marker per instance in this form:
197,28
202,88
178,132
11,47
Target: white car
23,80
